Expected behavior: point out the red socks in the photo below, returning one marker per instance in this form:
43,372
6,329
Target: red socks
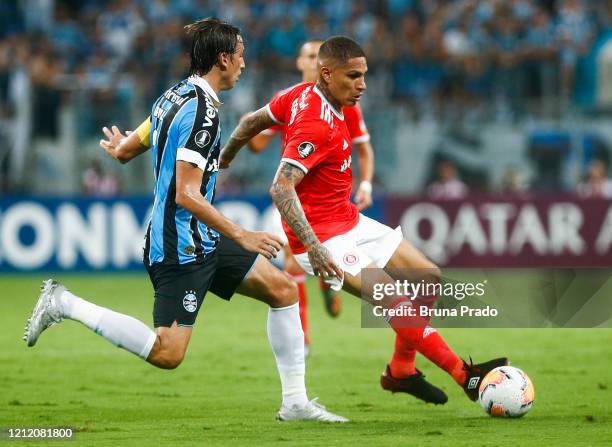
427,341
430,344
402,362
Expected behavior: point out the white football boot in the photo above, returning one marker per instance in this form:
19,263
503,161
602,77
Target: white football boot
312,411
47,312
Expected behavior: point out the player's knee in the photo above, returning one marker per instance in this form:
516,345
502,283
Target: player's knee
284,293
427,272
165,354
433,274
170,360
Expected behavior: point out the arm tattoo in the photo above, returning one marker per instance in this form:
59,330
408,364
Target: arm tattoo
288,204
248,127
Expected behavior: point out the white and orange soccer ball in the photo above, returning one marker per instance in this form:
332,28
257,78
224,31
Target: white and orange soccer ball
506,392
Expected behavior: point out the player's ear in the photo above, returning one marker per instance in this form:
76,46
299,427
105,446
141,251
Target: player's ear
223,61
325,73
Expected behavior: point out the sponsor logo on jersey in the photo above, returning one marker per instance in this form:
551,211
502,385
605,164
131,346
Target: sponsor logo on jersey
299,103
211,112
202,138
213,166
190,302
346,164
305,149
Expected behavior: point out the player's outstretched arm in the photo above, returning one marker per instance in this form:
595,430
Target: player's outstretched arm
365,154
288,204
124,147
249,126
189,196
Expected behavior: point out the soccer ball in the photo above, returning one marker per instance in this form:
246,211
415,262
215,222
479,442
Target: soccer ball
506,392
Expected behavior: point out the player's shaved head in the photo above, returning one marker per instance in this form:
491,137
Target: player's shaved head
306,61
342,68
339,49
311,43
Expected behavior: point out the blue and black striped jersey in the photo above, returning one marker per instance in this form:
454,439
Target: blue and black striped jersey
184,126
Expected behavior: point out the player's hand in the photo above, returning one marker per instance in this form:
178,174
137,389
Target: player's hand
363,196
225,159
323,263
266,244
114,137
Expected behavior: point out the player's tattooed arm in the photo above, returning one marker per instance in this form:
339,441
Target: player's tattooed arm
249,126
286,200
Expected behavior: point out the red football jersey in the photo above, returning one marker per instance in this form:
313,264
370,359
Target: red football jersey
317,141
356,125
352,116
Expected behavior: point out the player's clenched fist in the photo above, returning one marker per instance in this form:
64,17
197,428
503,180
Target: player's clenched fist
266,244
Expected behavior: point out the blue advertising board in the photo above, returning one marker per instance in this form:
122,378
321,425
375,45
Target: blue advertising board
92,234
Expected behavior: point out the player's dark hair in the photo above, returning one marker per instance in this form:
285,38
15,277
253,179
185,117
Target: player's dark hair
210,37
340,48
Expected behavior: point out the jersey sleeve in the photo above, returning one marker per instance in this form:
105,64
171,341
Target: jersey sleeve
197,132
144,132
278,106
356,125
306,144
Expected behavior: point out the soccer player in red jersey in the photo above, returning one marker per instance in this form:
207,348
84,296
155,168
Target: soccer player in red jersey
326,232
306,63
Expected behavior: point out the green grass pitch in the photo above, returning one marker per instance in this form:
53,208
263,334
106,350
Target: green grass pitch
227,390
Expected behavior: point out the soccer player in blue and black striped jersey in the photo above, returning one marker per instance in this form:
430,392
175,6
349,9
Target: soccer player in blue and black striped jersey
191,247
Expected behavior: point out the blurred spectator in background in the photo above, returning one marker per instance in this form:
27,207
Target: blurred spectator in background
514,181
45,68
597,184
454,63
448,186
418,49
97,182
575,35
540,55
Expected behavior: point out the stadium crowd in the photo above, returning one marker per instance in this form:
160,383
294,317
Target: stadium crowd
418,50
442,58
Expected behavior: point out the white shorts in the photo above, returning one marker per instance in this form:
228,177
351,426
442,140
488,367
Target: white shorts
370,242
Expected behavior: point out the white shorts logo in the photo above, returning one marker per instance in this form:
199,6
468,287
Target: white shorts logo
351,259
190,302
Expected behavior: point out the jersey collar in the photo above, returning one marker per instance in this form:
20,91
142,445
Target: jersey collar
340,115
204,85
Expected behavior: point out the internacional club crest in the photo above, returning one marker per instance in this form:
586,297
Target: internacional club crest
305,149
190,302
351,258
